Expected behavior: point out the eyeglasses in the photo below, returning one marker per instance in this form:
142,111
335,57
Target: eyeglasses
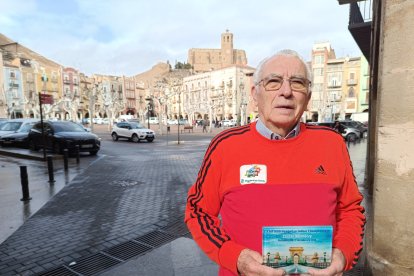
274,83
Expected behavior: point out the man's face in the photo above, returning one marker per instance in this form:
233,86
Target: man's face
281,109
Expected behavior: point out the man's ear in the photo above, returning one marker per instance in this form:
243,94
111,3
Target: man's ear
253,93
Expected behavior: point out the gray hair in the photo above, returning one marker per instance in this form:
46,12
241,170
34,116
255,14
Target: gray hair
287,52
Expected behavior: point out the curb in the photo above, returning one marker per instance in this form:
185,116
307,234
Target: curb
18,153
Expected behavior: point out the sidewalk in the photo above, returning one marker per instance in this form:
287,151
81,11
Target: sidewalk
122,215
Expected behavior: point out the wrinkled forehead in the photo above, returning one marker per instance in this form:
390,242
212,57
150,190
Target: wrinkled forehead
285,66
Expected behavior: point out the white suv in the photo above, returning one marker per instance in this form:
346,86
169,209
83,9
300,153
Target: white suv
132,131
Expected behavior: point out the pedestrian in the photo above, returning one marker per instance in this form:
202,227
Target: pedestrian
276,171
204,123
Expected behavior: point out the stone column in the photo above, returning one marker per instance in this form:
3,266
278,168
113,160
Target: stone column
391,231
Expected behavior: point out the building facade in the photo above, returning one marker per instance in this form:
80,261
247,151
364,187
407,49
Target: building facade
337,89
219,94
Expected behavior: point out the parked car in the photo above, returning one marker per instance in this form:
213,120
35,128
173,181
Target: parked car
105,121
3,121
348,133
133,131
363,129
60,135
172,122
14,125
152,120
229,123
183,122
19,138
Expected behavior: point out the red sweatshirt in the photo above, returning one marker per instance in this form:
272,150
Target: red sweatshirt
251,182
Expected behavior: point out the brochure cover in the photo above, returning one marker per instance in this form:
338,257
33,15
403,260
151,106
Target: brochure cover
295,248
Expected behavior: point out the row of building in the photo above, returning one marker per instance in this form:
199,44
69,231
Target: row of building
216,87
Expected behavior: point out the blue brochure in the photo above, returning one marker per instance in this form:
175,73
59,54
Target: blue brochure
295,248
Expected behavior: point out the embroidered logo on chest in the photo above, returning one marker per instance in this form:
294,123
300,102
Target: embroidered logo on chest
253,174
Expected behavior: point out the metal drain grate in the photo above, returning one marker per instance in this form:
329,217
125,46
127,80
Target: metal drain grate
60,271
156,238
126,183
127,250
178,229
94,264
119,253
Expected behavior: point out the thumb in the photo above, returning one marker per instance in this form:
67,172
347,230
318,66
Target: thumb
256,256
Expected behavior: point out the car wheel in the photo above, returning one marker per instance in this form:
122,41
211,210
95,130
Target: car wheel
56,148
351,137
94,152
114,136
32,145
150,139
135,138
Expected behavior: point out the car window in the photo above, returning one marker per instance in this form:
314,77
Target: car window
11,126
26,127
67,127
136,126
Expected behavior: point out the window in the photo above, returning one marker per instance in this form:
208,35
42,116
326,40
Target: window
12,74
318,72
319,59
351,76
351,92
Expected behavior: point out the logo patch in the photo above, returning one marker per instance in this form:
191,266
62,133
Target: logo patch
253,174
320,170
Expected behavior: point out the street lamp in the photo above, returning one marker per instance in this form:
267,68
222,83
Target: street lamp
179,112
148,110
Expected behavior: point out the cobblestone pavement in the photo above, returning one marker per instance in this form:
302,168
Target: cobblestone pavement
116,199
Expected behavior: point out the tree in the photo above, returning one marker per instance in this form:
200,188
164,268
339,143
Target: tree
180,65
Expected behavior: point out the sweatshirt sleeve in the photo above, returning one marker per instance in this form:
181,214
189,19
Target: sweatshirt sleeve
350,217
202,210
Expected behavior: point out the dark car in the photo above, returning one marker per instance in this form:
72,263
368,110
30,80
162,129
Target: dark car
60,135
19,138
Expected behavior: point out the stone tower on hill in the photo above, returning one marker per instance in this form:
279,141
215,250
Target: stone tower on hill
204,60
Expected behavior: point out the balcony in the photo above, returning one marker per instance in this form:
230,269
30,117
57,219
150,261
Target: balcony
334,84
351,82
360,20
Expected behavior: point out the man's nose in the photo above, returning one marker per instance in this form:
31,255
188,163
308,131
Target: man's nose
285,89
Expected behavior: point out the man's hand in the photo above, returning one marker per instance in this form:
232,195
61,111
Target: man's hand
250,264
335,269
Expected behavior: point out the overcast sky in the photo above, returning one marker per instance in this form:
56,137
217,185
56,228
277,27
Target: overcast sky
127,37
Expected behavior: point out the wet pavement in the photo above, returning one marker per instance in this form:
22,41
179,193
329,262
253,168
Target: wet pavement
13,211
120,213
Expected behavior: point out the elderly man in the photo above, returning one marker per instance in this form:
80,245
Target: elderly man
302,177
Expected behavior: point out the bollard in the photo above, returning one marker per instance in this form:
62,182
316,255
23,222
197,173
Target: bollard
77,154
50,169
65,158
25,183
